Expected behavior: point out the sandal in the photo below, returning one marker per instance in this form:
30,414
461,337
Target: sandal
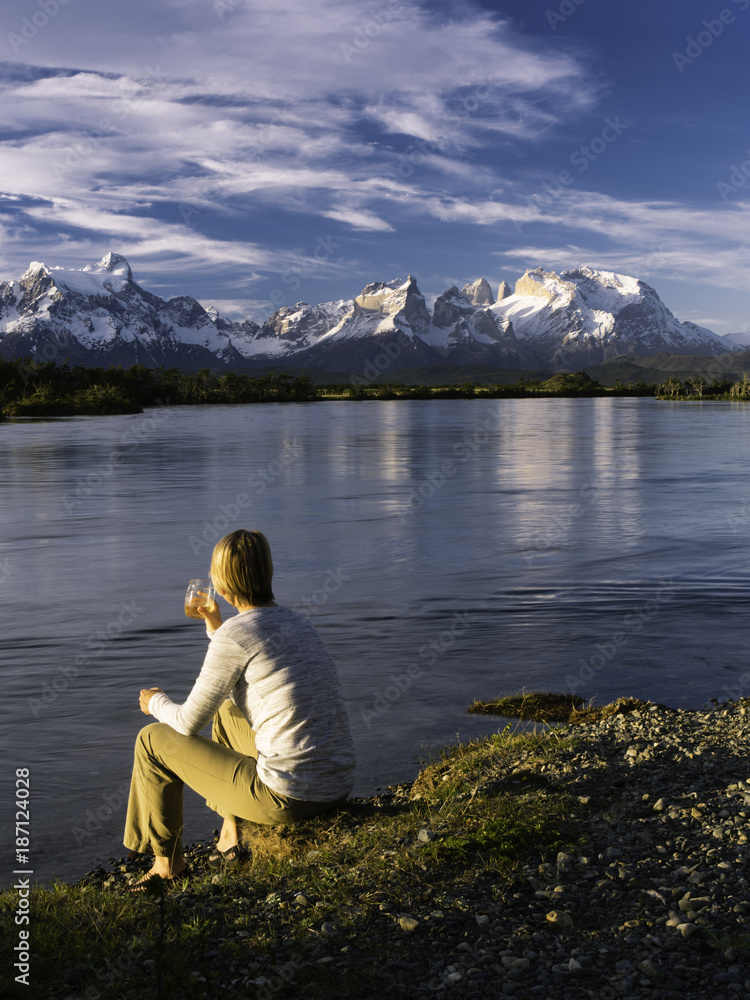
232,856
142,884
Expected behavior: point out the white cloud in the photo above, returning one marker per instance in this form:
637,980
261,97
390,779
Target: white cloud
224,108
178,123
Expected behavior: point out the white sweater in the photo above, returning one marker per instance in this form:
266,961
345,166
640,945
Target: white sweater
274,666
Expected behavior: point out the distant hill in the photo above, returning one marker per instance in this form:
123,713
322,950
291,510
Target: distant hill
661,366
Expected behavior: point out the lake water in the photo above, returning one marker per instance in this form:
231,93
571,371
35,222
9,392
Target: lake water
447,550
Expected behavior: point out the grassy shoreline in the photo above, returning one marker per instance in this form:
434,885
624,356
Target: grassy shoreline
344,864
366,900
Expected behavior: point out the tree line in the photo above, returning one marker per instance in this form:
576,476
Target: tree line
42,389
31,388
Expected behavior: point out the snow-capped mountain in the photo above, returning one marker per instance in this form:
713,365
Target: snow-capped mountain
100,316
583,317
386,316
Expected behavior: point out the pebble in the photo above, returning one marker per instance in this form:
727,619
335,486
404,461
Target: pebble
407,923
559,919
651,903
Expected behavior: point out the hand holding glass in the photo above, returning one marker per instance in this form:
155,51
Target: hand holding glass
199,594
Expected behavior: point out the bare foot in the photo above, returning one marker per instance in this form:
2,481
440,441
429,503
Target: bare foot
229,836
166,868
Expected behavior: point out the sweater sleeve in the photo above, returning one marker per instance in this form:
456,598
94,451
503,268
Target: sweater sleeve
224,663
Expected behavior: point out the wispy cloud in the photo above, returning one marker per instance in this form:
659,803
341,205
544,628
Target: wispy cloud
222,139
302,107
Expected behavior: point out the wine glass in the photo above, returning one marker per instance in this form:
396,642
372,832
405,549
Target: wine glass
199,594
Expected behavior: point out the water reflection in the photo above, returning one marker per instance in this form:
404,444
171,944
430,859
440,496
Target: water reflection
524,532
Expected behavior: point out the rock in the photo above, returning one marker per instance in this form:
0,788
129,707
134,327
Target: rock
688,930
647,969
301,900
407,923
510,962
74,976
560,920
482,919
659,805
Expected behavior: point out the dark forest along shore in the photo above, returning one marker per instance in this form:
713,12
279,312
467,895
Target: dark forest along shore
446,550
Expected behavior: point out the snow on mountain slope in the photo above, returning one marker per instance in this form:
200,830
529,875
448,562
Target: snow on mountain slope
583,317
383,328
100,315
291,329
466,333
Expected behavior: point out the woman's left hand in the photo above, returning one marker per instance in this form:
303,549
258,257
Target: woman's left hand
146,696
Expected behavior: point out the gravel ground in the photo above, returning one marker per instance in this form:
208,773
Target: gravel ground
652,906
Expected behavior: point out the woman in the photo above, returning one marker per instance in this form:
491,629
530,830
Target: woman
281,748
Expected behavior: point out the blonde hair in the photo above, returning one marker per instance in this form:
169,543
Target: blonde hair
241,565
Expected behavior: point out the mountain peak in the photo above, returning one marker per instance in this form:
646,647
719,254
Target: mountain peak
115,263
35,267
479,293
564,320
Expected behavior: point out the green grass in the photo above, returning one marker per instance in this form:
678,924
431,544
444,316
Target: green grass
546,706
481,819
539,706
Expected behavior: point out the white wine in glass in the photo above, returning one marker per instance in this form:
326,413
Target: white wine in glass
199,594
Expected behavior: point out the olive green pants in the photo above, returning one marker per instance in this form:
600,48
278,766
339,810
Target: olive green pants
222,770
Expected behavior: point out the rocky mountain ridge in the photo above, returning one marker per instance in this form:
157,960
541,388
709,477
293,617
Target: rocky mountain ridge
99,315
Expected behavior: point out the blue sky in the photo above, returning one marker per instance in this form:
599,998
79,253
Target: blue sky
256,153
